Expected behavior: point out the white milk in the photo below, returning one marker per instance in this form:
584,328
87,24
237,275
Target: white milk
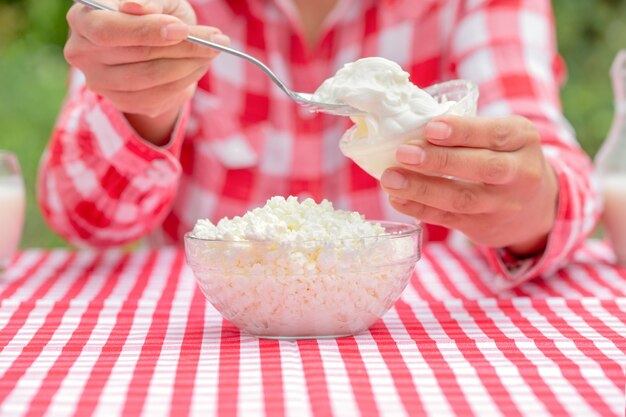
12,205
614,188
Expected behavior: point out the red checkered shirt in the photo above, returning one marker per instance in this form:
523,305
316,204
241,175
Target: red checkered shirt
241,140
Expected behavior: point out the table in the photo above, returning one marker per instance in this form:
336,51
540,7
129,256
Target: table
114,333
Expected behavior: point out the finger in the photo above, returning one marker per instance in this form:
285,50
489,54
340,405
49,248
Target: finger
478,165
142,75
152,102
504,134
76,50
441,193
110,29
141,7
132,54
180,9
477,228
426,214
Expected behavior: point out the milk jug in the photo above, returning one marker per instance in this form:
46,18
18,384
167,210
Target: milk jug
610,165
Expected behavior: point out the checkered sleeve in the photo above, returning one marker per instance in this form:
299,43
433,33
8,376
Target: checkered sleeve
99,183
509,48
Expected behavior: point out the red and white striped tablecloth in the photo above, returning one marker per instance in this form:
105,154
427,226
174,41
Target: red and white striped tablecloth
113,333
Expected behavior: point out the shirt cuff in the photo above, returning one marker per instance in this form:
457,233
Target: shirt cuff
171,150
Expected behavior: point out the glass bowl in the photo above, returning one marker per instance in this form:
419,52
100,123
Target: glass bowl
310,289
375,157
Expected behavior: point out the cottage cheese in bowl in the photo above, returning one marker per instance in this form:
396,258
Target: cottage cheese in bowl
296,269
394,109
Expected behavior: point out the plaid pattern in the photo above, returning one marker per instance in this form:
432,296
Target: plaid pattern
112,333
241,140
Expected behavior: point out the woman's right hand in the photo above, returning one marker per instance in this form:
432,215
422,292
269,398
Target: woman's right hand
139,60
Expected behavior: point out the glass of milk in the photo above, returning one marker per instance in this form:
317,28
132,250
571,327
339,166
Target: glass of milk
12,205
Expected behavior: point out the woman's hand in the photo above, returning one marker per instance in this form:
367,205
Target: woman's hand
503,194
138,58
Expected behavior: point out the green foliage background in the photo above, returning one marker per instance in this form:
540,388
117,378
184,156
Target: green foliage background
33,80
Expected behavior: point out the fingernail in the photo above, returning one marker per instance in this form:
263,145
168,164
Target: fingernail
410,154
137,2
393,180
133,6
398,200
175,31
221,39
437,131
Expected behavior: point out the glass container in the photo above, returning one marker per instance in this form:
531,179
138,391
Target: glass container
610,164
308,289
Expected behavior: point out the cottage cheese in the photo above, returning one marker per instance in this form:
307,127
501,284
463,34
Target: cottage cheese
297,269
288,220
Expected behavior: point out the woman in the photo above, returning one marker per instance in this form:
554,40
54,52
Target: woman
158,132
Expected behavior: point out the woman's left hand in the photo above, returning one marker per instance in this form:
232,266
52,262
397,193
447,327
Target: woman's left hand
503,192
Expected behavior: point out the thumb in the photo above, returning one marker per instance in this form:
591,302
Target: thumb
141,7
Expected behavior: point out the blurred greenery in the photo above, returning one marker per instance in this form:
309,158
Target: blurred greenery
32,84
33,80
